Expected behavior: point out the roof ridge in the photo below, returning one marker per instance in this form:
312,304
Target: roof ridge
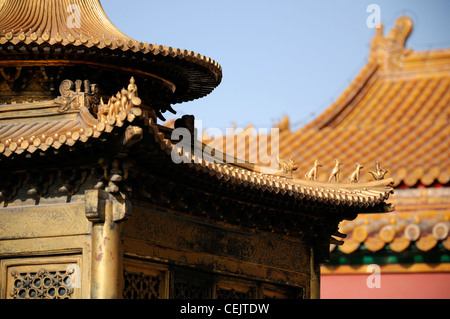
75,111
356,194
368,72
387,57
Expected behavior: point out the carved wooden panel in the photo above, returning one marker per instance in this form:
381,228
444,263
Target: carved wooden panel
232,288
144,280
147,280
150,225
42,284
188,284
142,286
59,220
41,278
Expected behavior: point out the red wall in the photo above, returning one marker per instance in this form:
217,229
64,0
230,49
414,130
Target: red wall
392,286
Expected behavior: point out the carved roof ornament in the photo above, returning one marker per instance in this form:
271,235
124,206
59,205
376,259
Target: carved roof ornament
389,51
79,112
354,178
83,115
80,31
312,174
336,171
120,104
379,173
284,125
286,168
390,114
74,100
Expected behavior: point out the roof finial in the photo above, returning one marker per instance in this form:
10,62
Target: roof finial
389,51
284,124
379,173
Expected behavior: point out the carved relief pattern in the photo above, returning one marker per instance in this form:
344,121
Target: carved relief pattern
42,285
141,286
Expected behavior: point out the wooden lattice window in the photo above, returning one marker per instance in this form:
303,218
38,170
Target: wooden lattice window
42,284
41,278
187,284
227,288
141,286
147,280
144,280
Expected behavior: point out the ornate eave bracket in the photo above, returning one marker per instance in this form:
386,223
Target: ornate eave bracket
97,202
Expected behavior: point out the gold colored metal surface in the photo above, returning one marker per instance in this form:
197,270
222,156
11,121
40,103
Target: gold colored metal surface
312,174
40,278
286,168
336,172
81,110
92,205
354,178
28,63
106,258
16,15
106,213
81,33
379,173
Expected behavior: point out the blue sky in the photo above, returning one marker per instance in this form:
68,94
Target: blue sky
284,57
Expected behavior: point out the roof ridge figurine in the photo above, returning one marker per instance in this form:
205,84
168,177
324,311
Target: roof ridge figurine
336,171
312,174
287,167
354,178
379,173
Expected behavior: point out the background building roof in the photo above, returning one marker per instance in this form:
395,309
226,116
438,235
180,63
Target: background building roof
396,112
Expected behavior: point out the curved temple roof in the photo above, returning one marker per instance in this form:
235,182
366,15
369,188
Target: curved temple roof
395,111
33,130
62,21
54,25
399,232
50,127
